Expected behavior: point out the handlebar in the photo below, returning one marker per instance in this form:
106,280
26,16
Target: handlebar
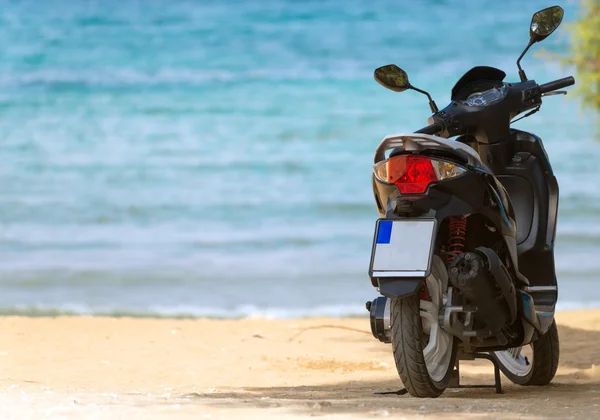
455,121
557,84
431,129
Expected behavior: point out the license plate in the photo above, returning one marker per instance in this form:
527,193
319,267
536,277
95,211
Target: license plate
402,248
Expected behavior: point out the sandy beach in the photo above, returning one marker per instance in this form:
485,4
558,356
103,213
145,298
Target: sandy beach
91,367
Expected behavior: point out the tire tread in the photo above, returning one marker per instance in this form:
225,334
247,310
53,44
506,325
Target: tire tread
547,354
407,331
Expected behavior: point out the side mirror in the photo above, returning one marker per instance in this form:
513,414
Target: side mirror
392,77
544,22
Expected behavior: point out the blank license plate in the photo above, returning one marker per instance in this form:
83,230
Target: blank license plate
402,248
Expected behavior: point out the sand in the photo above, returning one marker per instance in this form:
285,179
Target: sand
87,367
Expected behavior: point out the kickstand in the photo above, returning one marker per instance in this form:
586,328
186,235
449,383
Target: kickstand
455,378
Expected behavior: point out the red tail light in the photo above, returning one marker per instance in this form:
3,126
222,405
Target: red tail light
412,174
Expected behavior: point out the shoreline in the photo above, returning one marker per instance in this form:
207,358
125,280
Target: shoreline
35,312
107,367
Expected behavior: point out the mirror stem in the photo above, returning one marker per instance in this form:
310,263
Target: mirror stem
432,104
522,74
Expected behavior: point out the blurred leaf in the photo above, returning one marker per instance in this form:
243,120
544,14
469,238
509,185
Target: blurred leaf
585,53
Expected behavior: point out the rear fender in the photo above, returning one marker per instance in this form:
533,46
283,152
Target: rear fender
398,287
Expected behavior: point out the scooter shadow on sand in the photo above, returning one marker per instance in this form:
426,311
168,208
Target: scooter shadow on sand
572,385
358,397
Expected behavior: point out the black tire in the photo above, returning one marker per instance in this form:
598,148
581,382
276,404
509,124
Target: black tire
546,354
408,342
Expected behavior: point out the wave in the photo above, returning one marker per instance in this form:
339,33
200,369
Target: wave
119,77
239,312
63,78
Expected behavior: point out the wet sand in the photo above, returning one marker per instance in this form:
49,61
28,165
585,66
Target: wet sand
92,367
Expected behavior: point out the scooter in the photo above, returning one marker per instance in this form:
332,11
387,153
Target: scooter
463,252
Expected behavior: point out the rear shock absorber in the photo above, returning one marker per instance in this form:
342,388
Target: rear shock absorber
457,235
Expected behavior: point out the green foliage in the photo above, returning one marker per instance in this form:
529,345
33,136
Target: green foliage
585,55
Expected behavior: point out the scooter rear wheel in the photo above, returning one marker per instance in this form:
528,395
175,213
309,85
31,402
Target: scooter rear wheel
424,353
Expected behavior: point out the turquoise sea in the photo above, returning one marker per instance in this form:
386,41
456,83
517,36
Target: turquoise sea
213,158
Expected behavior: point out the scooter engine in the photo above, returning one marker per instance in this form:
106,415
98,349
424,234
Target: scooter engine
485,282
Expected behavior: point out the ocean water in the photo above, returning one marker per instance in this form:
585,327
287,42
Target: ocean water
213,158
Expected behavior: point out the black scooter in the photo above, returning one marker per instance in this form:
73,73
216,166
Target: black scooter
463,253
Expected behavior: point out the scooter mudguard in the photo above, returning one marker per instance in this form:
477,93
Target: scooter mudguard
397,287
